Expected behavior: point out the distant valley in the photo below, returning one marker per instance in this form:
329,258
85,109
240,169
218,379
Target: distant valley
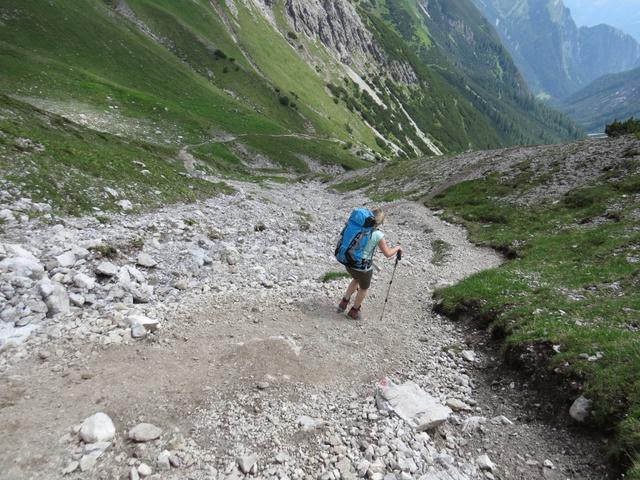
558,59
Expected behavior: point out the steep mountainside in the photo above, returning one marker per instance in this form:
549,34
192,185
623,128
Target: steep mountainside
615,96
555,56
299,85
454,38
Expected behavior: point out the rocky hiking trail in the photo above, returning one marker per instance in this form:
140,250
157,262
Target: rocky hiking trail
210,322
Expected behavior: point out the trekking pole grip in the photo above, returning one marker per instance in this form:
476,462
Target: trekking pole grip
398,256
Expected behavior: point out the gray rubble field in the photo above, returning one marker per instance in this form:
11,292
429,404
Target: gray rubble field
204,336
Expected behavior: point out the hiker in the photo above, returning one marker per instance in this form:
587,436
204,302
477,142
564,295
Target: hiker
363,225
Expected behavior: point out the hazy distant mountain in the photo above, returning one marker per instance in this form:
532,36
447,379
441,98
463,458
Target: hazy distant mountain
622,14
611,97
555,56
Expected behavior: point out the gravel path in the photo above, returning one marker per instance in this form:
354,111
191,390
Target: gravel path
251,369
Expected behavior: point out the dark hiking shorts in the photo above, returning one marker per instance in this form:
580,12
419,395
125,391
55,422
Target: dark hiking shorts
363,277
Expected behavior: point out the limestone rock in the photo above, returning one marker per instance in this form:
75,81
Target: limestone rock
485,463
144,432
125,205
22,267
457,405
82,280
139,322
163,460
66,260
146,260
309,423
468,355
138,331
88,461
246,463
144,470
412,404
580,408
70,468
77,300
107,269
97,428
57,299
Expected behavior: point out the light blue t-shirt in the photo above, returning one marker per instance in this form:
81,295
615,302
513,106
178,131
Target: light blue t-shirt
370,248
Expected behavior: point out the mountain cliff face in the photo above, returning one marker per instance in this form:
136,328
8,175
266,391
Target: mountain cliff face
555,56
275,83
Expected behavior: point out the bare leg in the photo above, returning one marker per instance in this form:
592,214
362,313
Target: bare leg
362,294
353,286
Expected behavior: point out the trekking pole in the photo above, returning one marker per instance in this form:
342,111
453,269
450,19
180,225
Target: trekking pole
398,258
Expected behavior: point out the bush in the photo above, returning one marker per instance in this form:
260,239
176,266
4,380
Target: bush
292,35
284,100
219,54
381,143
617,129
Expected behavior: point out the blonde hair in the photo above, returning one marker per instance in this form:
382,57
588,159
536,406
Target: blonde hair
379,215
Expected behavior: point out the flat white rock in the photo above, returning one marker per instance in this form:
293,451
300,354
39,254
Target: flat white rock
107,268
146,260
144,432
412,404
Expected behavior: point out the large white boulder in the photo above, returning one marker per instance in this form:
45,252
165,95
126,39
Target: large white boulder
97,428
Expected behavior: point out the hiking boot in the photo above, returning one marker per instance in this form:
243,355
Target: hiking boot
342,306
354,313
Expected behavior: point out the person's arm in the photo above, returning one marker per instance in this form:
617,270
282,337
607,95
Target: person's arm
386,251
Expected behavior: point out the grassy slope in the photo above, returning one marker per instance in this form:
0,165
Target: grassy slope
81,51
573,281
88,53
575,285
77,164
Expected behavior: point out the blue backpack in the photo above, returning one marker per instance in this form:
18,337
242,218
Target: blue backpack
353,239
